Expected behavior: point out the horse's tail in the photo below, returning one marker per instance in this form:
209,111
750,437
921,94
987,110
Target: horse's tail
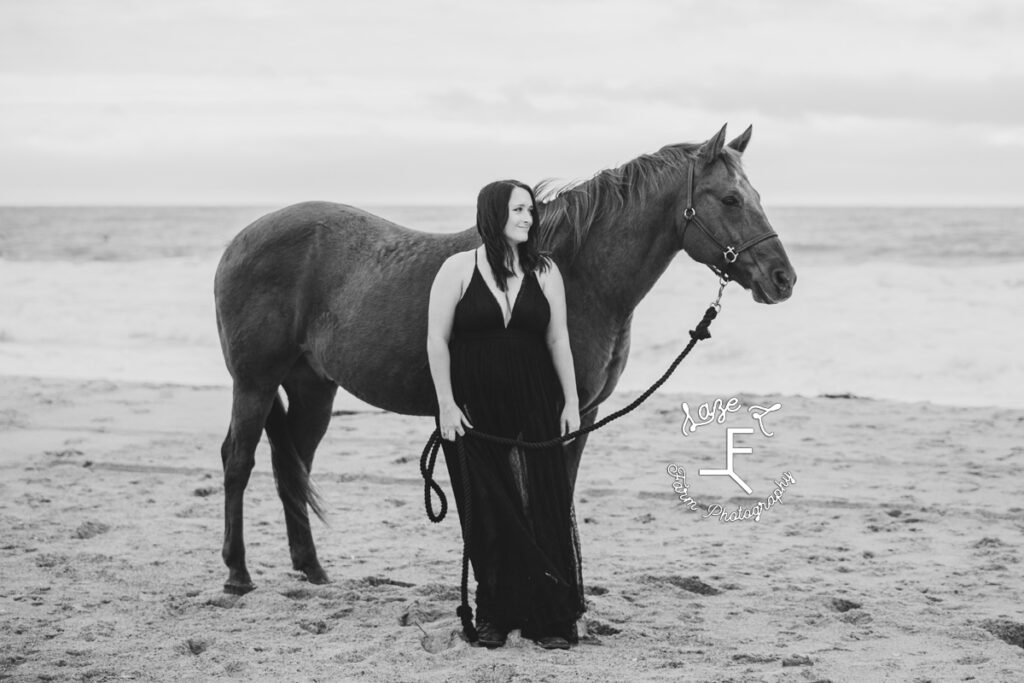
290,472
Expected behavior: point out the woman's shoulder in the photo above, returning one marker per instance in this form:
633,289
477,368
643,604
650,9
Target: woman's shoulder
546,269
459,259
458,267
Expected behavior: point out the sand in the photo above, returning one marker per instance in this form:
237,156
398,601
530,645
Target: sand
894,555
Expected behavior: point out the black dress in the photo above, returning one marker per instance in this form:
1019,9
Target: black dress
523,543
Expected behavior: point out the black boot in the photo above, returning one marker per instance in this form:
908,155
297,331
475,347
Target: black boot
490,635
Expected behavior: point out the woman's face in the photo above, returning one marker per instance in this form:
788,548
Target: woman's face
520,216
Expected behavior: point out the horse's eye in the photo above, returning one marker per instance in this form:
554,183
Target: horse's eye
730,200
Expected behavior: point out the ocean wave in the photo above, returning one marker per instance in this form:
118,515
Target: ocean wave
886,330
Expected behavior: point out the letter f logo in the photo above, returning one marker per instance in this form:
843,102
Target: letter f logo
732,450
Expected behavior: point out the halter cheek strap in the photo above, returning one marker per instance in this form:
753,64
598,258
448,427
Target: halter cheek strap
729,253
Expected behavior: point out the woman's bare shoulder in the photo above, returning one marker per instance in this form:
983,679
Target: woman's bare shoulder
457,259
458,267
547,270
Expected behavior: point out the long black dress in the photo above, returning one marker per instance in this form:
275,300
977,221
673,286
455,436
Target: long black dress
523,546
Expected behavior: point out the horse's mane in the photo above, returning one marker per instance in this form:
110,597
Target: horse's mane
568,211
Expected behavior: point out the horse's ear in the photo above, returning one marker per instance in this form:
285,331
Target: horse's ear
710,150
740,143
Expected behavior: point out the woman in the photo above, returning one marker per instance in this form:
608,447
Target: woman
501,364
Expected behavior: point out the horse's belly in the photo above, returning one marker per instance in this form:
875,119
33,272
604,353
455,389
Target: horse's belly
386,371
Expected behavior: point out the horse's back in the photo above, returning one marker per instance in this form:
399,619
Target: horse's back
342,286
294,230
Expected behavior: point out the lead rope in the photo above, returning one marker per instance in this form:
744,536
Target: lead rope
429,457
464,611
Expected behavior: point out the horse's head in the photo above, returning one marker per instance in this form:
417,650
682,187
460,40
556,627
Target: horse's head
720,222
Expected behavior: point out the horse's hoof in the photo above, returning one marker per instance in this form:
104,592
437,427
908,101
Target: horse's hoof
238,588
317,576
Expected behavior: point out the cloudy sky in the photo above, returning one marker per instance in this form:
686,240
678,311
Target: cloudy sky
423,101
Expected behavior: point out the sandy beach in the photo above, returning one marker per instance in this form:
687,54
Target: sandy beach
893,556
829,490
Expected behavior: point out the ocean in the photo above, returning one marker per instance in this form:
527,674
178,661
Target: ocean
908,304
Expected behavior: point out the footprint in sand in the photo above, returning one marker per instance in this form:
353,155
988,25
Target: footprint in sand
693,584
298,594
88,529
797,660
843,605
196,646
599,628
440,592
417,614
375,581
65,453
989,542
441,641
46,560
747,658
315,626
224,600
191,512
1010,632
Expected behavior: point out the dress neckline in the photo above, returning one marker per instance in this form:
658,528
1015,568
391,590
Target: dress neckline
490,295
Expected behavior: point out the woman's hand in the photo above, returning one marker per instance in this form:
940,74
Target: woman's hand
570,420
452,422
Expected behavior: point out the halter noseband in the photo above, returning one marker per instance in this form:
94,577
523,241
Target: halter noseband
729,253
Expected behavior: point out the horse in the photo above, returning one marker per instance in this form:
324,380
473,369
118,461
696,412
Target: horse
319,295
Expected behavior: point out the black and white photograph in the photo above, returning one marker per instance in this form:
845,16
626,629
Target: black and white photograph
491,342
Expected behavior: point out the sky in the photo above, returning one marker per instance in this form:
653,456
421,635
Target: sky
852,102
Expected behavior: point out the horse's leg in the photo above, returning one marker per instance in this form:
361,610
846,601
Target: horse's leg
249,409
310,401
574,450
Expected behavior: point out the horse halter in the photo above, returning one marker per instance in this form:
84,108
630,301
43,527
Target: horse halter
729,253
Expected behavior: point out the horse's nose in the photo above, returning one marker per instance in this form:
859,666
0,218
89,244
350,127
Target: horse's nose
783,278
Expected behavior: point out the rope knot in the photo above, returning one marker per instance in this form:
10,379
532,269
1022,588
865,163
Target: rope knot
701,331
465,613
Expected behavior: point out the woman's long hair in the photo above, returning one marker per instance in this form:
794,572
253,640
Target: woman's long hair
491,218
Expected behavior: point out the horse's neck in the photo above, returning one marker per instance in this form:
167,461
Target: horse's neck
623,256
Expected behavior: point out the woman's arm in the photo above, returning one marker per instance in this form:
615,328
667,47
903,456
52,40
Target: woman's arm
561,352
444,296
